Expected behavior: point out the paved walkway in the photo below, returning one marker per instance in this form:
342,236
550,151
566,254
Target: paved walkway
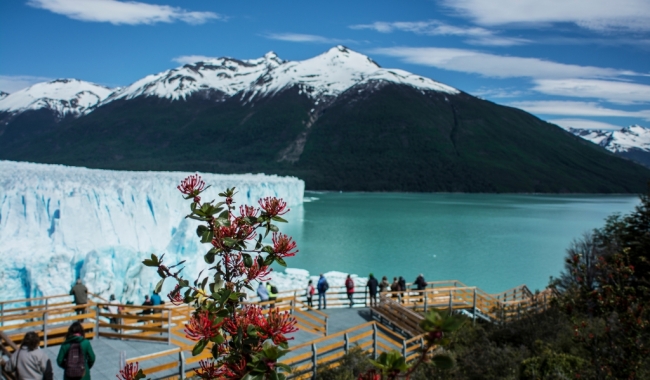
107,351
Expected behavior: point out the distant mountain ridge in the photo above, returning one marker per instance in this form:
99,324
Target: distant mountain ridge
632,142
338,121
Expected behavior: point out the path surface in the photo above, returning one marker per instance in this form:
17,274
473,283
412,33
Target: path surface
107,351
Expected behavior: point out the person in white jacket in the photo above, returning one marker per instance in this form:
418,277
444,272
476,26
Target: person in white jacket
29,362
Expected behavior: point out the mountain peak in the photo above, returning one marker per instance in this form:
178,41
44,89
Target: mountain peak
63,96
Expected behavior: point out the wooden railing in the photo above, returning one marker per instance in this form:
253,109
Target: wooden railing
371,337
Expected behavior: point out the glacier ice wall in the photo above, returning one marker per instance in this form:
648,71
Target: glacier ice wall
58,223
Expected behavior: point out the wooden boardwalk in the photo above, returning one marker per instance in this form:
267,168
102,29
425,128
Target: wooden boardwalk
157,341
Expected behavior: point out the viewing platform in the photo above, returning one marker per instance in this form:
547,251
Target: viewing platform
158,343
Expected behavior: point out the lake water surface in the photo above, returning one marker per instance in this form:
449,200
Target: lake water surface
492,241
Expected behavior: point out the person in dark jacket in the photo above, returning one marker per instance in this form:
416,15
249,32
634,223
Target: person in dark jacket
402,285
80,294
322,287
372,289
420,282
29,361
76,334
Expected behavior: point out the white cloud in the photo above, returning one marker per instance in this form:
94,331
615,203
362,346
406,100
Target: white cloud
498,93
584,124
476,35
13,83
185,59
309,38
122,12
574,108
498,66
612,91
599,15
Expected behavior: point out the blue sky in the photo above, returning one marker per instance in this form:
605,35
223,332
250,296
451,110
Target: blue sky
584,63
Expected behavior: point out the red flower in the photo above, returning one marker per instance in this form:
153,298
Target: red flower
277,325
283,245
248,315
255,272
175,296
249,211
210,371
370,375
192,186
201,326
273,206
129,371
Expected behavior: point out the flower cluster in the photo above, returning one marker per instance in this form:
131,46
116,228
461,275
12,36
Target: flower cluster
192,186
273,206
201,326
283,246
130,371
175,296
278,325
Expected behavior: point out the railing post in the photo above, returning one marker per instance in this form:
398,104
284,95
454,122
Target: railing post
45,329
314,360
2,314
169,327
46,303
181,367
96,322
326,323
450,301
365,297
474,309
426,297
404,349
374,341
346,338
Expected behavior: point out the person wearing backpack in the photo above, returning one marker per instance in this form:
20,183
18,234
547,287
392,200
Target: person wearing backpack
76,355
29,362
322,287
349,288
310,293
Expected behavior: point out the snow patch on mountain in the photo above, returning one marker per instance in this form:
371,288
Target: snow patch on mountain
58,223
63,96
3,95
324,76
623,140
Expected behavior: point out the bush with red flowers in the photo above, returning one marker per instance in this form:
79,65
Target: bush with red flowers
244,342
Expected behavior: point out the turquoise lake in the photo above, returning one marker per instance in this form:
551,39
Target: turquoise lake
491,241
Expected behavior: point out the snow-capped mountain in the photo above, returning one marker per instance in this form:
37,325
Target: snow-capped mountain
3,95
62,96
59,222
623,140
324,76
631,142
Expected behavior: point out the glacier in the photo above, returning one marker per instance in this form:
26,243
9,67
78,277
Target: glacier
60,223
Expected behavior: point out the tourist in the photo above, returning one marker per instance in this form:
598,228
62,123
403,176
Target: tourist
394,287
372,289
402,285
75,341
384,285
147,302
262,293
156,301
420,282
29,361
349,288
114,309
273,292
322,287
80,293
310,293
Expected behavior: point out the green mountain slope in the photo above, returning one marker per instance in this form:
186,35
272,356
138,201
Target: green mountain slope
382,138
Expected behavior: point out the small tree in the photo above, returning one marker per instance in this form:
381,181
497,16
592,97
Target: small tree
245,343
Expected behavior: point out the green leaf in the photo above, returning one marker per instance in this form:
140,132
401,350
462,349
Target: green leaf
248,260
207,236
159,286
200,230
223,313
279,219
274,228
218,339
229,241
443,361
198,348
280,261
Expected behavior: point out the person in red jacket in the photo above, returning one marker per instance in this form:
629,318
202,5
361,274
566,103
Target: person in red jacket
349,286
